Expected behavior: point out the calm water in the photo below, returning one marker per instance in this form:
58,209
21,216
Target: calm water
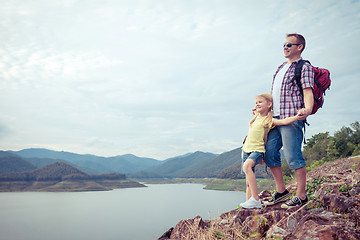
122,214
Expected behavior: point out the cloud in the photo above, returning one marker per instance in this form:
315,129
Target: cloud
160,79
4,131
31,67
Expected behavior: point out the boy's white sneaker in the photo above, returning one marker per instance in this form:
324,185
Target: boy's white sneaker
251,203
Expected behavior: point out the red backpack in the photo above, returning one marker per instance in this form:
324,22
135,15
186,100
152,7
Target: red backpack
322,82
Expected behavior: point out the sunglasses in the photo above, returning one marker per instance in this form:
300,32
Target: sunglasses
290,44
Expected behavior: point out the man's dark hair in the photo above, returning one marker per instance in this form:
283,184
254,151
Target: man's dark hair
299,38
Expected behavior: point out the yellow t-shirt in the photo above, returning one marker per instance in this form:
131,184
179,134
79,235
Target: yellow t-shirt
255,140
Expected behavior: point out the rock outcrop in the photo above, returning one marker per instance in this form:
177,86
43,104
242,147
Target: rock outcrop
333,212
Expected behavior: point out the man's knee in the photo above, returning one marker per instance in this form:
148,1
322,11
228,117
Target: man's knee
296,163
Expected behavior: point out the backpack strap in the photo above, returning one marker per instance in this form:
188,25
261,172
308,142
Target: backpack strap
297,78
298,70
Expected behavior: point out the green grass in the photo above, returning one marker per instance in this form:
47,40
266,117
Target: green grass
238,184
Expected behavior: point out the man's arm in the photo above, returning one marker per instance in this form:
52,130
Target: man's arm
309,102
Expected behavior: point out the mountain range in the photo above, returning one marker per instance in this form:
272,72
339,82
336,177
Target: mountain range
190,165
91,164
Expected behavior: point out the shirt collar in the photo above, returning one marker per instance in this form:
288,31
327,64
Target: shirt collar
298,60
292,62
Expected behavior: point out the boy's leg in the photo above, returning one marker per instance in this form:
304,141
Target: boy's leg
248,191
250,178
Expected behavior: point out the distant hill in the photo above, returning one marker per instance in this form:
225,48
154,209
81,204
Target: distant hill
198,165
57,171
195,165
178,166
216,165
89,163
201,165
53,172
42,162
62,177
13,163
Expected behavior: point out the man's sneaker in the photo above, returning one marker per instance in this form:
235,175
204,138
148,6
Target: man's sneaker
251,203
277,197
295,201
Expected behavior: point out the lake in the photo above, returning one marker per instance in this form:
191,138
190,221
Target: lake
121,214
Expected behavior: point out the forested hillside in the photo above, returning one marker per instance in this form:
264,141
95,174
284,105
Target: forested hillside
217,164
57,171
13,163
180,166
196,165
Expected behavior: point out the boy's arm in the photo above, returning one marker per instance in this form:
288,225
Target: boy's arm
285,121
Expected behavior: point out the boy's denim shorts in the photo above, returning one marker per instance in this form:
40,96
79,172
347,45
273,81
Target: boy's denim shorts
289,137
256,156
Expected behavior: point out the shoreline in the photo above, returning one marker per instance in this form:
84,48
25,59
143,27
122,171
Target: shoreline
67,186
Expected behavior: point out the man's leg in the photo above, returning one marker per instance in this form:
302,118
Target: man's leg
292,136
278,177
300,174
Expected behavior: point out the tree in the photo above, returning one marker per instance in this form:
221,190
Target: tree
355,137
316,148
342,138
332,152
317,137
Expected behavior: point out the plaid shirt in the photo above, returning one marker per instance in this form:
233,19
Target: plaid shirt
291,99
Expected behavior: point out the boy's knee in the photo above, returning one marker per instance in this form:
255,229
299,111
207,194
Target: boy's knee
244,168
247,168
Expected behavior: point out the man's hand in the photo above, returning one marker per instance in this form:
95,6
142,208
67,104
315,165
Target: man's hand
304,113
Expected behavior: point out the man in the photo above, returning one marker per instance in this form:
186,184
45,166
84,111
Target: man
288,101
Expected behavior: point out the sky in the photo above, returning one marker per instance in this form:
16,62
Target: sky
162,78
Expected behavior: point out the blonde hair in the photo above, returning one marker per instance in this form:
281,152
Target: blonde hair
268,97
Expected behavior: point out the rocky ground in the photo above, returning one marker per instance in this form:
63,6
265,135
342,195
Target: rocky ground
332,213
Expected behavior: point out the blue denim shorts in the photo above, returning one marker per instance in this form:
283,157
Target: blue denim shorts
256,156
289,137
